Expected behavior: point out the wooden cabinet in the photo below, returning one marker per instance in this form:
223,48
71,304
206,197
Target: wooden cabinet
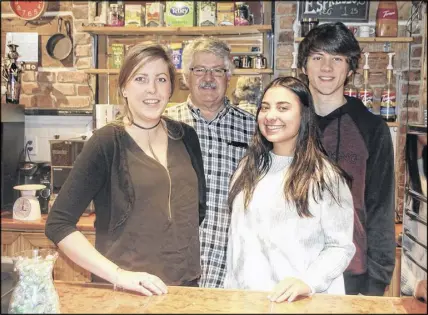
64,269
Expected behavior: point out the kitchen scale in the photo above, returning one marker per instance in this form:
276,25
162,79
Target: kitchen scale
27,207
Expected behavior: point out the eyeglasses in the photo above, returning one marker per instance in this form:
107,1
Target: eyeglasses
216,72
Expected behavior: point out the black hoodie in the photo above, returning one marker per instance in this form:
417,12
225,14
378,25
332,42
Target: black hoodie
362,145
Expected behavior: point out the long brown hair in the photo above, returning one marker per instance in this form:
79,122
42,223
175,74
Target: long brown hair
311,167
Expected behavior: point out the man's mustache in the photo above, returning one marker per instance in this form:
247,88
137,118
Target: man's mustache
211,85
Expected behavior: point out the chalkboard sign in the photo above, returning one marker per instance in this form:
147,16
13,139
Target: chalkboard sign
343,11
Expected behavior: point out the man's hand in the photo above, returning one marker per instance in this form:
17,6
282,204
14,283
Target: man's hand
421,290
289,289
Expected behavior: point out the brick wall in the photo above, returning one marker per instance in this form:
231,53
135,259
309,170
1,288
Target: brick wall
407,76
61,85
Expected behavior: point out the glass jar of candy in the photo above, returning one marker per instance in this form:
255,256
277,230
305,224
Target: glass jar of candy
35,291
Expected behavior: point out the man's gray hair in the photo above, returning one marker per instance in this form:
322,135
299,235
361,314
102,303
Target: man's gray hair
209,45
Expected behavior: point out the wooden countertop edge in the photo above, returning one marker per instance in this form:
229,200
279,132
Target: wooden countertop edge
110,286
85,223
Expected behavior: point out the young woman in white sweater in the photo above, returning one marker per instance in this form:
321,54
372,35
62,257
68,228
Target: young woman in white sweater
292,212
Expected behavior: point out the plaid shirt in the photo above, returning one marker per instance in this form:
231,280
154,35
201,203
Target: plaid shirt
223,143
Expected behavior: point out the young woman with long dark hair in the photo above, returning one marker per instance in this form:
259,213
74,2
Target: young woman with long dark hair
292,211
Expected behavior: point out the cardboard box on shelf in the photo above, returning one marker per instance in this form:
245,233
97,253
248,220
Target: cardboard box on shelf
133,15
206,13
154,14
116,55
225,13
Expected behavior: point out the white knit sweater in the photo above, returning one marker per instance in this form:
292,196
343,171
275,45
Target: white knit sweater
269,241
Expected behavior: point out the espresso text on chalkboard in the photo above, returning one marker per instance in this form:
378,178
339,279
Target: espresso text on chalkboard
344,11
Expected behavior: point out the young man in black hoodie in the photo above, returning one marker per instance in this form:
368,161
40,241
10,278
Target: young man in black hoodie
361,143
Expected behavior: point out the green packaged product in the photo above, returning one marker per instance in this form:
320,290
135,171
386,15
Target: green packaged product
180,13
117,54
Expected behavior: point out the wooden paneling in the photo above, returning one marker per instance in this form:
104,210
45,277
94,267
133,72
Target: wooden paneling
36,240
64,268
10,243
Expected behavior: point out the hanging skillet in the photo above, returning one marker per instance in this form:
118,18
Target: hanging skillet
59,45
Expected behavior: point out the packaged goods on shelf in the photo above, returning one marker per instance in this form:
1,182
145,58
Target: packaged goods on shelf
117,54
225,13
205,13
180,13
133,15
154,14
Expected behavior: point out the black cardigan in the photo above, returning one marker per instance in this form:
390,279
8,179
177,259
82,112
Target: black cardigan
103,168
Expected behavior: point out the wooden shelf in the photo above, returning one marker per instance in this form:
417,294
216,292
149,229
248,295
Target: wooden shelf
184,30
101,71
235,72
416,128
374,39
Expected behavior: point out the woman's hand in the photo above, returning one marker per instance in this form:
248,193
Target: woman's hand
289,289
421,290
142,282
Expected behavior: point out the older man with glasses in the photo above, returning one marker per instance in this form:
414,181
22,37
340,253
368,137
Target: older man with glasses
224,133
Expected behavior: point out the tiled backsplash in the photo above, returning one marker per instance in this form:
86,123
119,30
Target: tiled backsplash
44,128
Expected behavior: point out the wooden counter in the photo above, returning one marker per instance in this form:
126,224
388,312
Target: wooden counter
92,298
86,223
19,235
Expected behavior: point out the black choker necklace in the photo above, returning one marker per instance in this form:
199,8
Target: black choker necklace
141,127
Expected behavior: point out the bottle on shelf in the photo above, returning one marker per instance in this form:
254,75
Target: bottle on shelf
350,89
387,19
294,65
388,97
12,74
365,93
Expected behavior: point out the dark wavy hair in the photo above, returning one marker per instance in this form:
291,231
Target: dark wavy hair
332,38
310,165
